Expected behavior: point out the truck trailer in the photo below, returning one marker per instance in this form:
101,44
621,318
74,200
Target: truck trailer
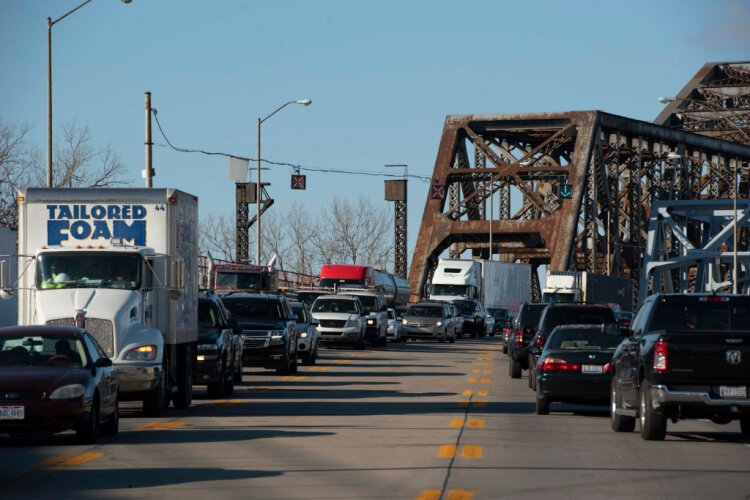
589,288
121,263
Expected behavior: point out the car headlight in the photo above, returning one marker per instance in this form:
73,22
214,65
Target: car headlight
370,322
72,391
404,322
303,335
277,337
143,353
439,323
208,347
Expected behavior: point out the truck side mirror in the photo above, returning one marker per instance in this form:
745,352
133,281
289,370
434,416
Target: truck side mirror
5,291
176,279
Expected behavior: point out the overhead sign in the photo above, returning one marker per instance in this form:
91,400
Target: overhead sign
437,192
299,181
566,190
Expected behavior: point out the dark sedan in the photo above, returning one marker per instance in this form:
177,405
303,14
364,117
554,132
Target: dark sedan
575,365
54,379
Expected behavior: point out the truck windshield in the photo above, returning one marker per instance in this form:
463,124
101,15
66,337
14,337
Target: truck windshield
331,282
559,298
369,303
88,270
238,280
452,290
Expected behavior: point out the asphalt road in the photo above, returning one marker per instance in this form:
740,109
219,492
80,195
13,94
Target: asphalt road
416,421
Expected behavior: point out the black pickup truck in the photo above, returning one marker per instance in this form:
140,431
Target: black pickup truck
687,356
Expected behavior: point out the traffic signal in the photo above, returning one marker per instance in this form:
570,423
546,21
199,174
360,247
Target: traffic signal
299,181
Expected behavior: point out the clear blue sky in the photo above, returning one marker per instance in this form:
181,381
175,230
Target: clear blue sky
382,76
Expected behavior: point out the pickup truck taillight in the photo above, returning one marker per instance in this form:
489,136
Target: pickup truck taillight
661,351
558,365
540,341
518,337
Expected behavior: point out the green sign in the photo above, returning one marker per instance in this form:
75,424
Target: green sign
565,191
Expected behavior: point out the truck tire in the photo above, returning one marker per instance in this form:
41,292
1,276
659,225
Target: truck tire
216,389
745,424
542,404
153,402
620,423
653,421
514,368
183,398
238,374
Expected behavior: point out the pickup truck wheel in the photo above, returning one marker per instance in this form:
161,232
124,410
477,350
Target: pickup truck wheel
362,342
514,368
653,421
620,423
216,389
745,424
229,382
183,398
542,405
293,365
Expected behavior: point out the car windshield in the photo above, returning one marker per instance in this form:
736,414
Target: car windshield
369,303
583,339
499,313
41,350
700,316
335,306
249,310
207,320
425,311
309,297
391,314
301,313
88,270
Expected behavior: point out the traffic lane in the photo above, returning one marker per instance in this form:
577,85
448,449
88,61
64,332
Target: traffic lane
573,453
230,445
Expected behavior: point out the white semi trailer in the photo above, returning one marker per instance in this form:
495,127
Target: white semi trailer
123,264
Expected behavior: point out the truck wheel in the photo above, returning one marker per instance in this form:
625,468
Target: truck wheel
88,433
183,398
383,341
238,374
542,404
153,403
653,421
514,368
229,381
362,343
293,365
620,423
745,424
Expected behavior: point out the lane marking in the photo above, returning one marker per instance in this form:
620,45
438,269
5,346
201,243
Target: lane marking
358,355
81,459
471,451
147,426
473,380
468,392
484,392
476,423
342,361
57,459
429,495
227,401
460,495
320,368
447,451
476,371
486,372
161,426
293,377
485,381
457,422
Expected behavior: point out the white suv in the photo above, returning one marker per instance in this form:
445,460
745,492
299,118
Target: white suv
341,320
376,319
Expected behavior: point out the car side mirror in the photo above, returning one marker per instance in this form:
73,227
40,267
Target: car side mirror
314,322
449,316
292,317
103,363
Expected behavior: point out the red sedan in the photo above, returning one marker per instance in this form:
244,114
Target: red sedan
56,378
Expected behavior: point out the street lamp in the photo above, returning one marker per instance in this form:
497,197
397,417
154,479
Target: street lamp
304,102
51,23
712,107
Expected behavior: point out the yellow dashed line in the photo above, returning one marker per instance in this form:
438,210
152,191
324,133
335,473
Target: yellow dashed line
161,426
468,392
486,372
447,451
358,355
342,361
227,401
471,451
473,380
57,459
476,423
81,459
460,495
429,495
294,377
483,393
485,381
320,368
457,422
147,426
476,371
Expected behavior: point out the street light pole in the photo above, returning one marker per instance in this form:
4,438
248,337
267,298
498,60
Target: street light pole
258,188
735,181
51,23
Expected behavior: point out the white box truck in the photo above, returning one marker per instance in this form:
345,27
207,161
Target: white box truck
123,264
590,288
493,283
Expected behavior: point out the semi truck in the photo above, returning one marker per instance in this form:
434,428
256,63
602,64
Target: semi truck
121,263
590,288
493,283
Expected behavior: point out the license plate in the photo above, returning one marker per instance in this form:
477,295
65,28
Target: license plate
733,392
11,412
592,369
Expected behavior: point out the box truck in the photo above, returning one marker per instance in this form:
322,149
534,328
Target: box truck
493,283
121,263
590,288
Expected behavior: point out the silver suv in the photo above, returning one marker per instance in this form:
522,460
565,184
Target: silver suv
341,320
376,319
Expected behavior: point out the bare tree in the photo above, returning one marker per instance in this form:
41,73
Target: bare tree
301,230
15,158
217,235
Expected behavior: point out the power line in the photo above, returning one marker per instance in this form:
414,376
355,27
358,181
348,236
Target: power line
294,166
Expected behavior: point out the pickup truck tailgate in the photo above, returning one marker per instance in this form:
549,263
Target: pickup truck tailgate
704,357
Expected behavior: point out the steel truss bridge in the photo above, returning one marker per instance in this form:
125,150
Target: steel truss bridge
572,190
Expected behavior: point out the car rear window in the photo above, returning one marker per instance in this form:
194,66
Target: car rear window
582,339
530,315
579,316
700,316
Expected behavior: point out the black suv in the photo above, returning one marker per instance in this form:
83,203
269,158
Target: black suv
565,314
219,355
503,322
473,314
518,342
268,330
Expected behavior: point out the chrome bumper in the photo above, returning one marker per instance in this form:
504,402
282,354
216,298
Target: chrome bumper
135,377
662,395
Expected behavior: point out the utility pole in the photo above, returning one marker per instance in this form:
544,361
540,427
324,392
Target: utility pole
148,172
